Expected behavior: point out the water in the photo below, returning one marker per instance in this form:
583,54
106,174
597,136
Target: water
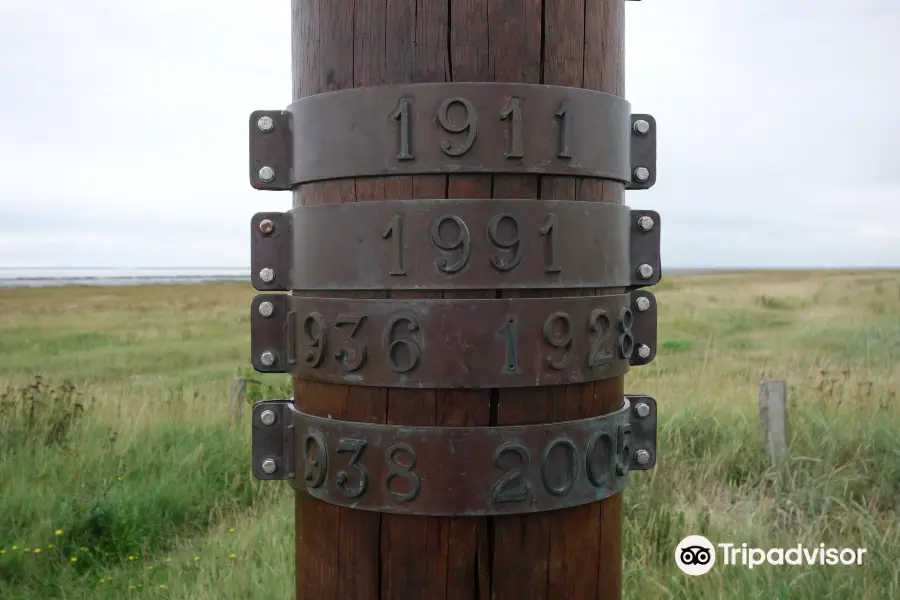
58,276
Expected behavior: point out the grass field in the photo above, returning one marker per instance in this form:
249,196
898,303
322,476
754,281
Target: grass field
121,476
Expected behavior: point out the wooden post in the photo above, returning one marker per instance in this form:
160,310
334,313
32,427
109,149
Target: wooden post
773,418
351,554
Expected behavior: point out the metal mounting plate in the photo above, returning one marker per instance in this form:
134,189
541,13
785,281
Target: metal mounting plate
643,152
461,471
454,244
270,149
440,343
460,127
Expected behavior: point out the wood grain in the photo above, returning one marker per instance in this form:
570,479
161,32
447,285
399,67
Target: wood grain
355,555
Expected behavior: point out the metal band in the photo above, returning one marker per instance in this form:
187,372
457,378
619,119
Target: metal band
457,471
460,343
458,128
447,244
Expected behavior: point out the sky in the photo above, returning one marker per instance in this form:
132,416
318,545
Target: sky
123,139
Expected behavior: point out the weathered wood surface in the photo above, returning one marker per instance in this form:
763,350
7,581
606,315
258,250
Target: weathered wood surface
773,418
573,554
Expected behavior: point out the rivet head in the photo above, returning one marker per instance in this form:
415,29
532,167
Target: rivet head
266,309
642,456
268,466
267,417
642,409
267,226
643,351
645,271
266,124
267,174
642,303
645,223
641,127
641,174
267,274
267,358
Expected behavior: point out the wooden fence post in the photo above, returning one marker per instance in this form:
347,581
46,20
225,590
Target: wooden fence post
773,418
237,395
465,298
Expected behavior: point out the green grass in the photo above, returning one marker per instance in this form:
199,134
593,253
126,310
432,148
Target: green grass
117,449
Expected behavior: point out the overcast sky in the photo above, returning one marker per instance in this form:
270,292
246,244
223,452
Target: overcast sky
123,136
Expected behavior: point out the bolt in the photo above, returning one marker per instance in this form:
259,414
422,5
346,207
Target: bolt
643,351
642,303
266,308
269,466
645,271
645,223
641,127
642,409
642,456
267,358
266,124
642,174
267,274
267,226
267,174
267,417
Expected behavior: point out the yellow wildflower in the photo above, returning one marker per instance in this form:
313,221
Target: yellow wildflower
37,550
49,546
119,477
150,567
27,550
130,558
102,580
232,556
2,550
196,558
15,548
162,585
83,549
74,559
231,530
59,532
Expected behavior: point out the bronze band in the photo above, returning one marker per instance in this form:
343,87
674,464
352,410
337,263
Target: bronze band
434,343
456,128
447,244
456,471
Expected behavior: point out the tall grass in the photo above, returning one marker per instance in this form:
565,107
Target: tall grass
123,476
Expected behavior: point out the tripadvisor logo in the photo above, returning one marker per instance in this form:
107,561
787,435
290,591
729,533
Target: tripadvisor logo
696,555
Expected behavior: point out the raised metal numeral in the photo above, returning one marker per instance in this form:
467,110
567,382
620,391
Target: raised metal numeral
599,472
600,325
571,470
512,112
463,241
500,491
402,115
356,447
395,232
315,460
549,229
558,339
413,351
561,115
359,348
470,125
315,338
397,469
514,244
625,341
509,335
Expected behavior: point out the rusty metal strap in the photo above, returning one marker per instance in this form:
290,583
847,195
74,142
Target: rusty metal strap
455,344
445,128
455,244
455,471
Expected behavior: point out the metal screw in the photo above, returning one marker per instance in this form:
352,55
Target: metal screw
642,409
267,308
269,466
267,274
266,124
642,174
645,271
267,174
641,127
642,303
642,456
267,226
645,223
643,351
267,417
267,358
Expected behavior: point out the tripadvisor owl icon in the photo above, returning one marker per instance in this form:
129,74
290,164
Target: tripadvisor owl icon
695,555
